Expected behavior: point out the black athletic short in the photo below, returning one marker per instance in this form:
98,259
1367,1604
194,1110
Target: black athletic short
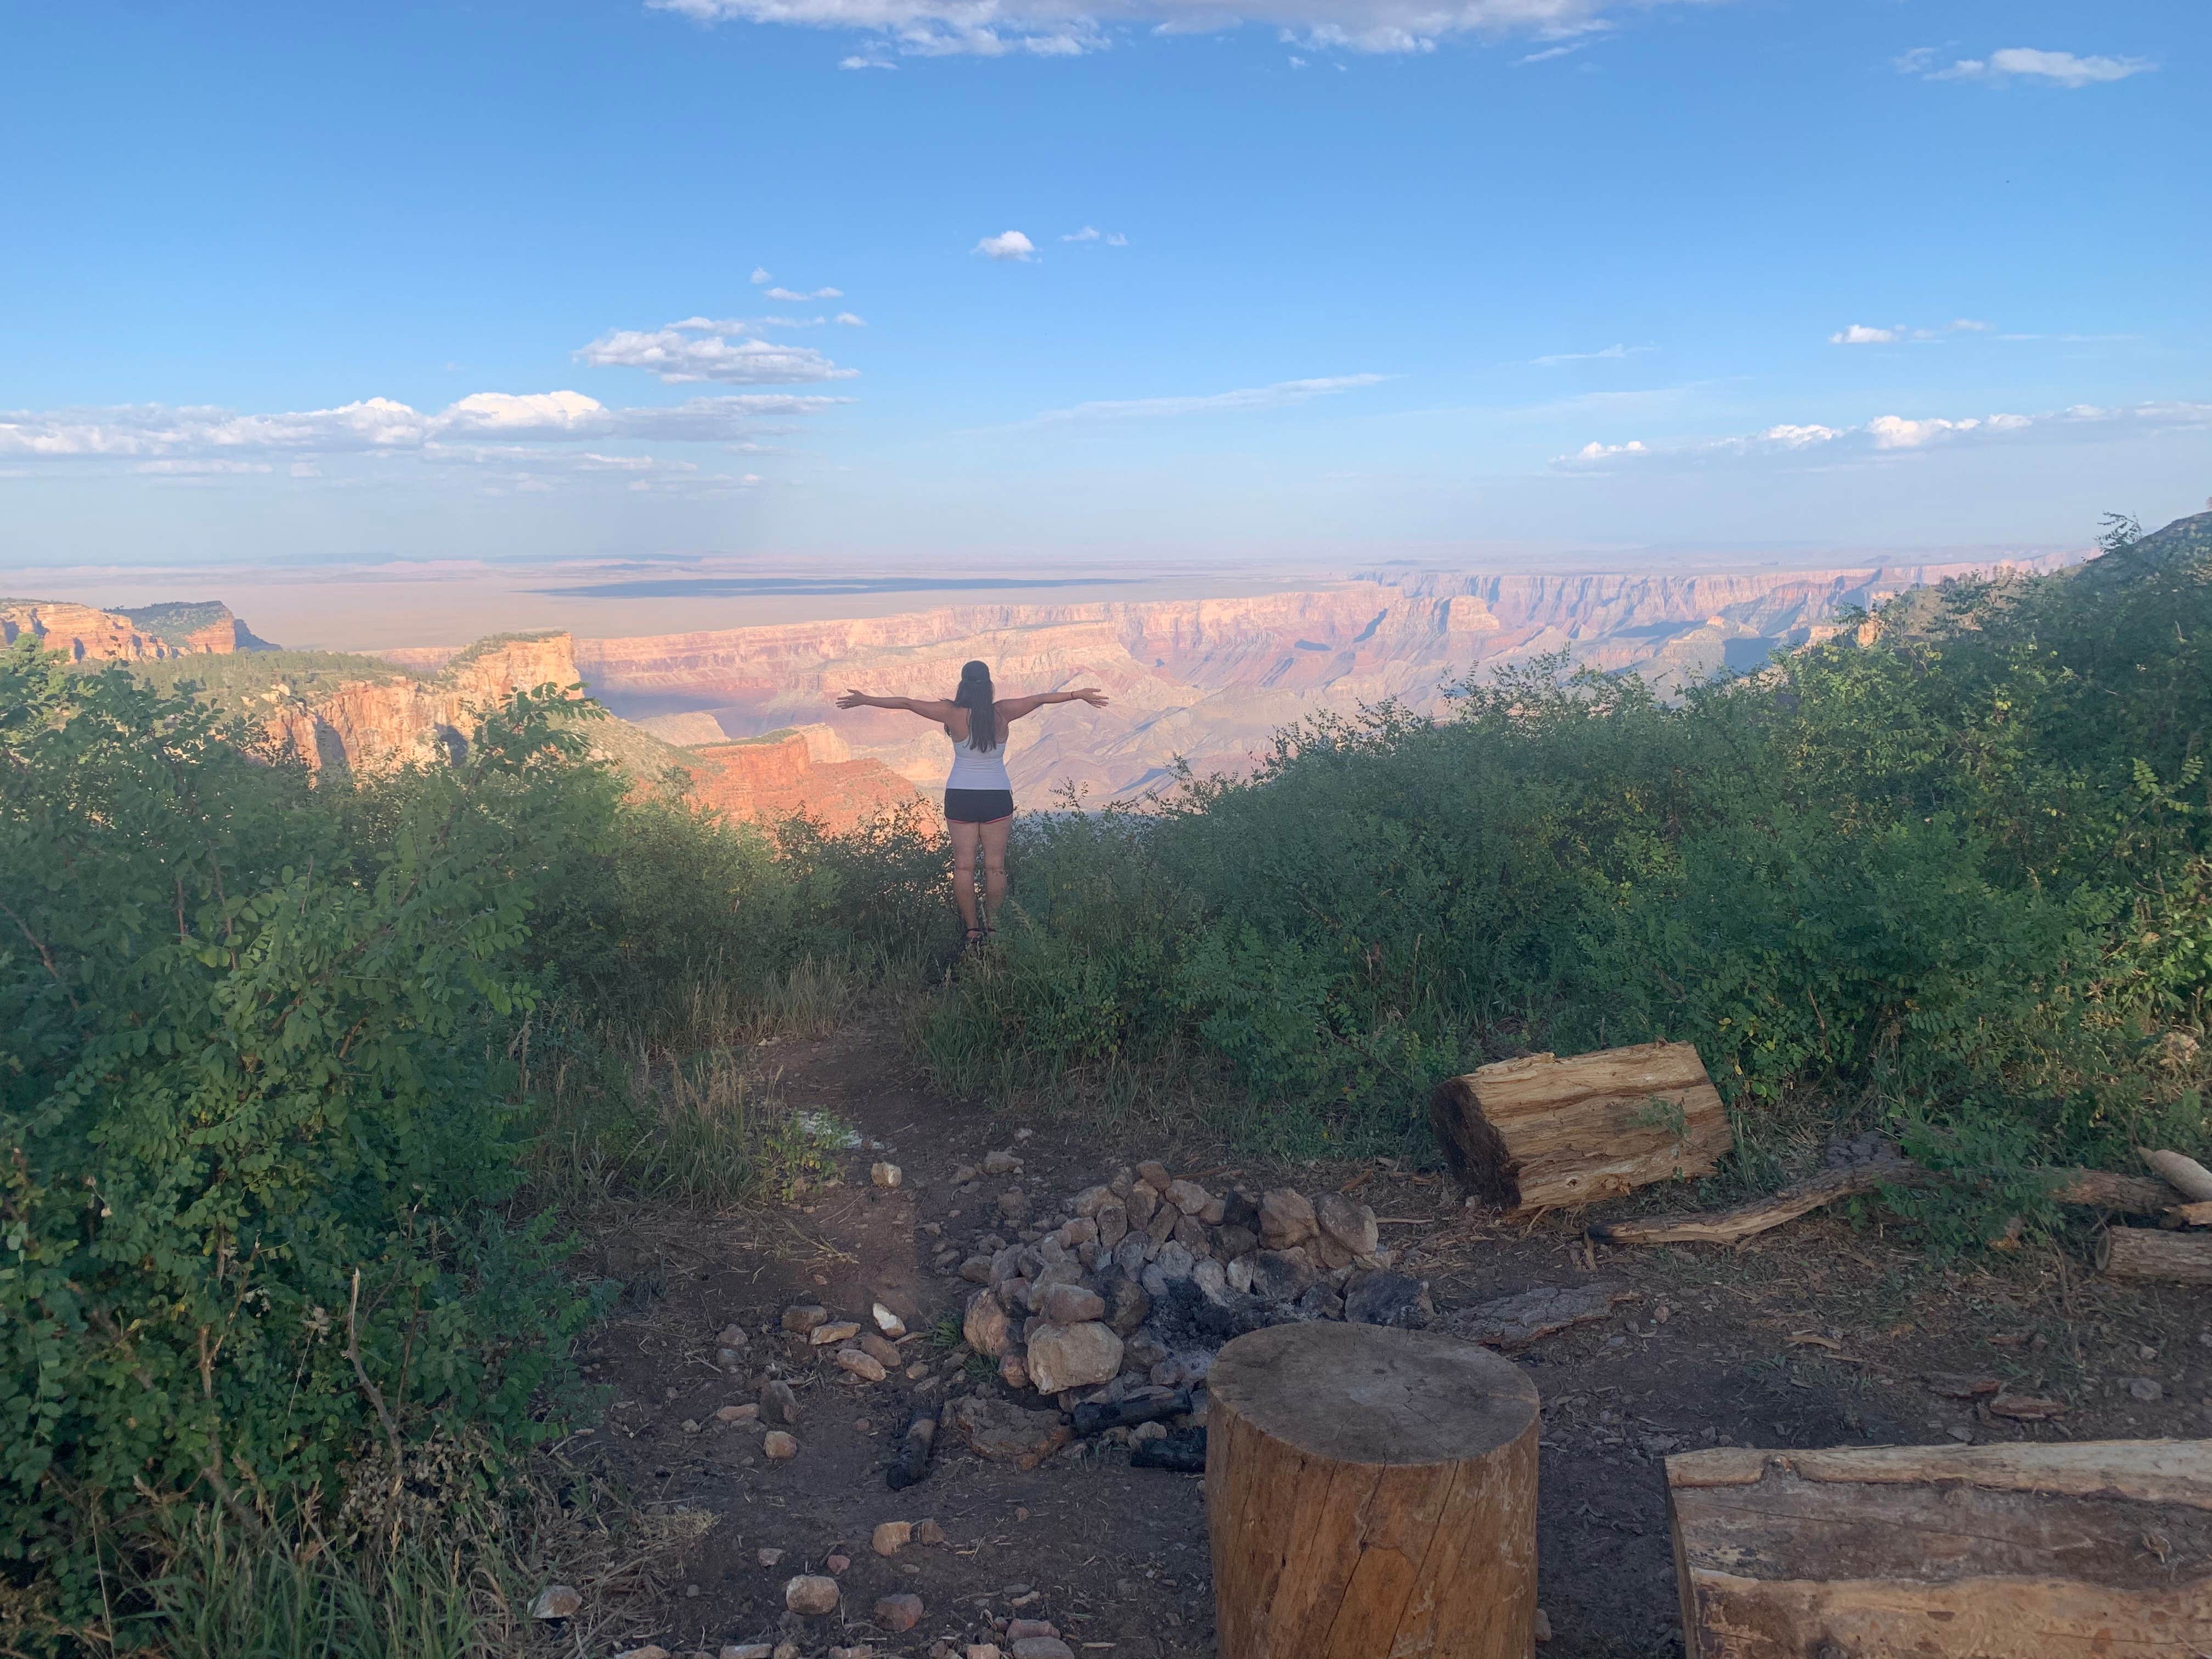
978,806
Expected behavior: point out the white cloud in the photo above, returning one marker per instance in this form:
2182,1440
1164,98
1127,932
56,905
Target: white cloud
1278,396
1608,353
1088,233
857,61
998,28
1007,245
818,294
1893,435
760,276
1550,53
1863,334
2064,69
850,319
203,435
678,353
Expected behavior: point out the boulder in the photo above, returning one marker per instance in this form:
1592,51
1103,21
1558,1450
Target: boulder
1281,1275
811,1594
1188,1196
1126,1304
1002,1432
1074,1357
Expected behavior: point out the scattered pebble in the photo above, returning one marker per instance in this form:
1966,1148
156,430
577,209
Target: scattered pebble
779,1445
744,1413
843,1330
1543,1625
838,1563
929,1533
555,1602
811,1592
804,1317
891,1536
746,1650
900,1612
887,1321
2145,1388
886,1174
770,1558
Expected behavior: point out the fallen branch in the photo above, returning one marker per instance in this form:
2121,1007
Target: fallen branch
2098,1189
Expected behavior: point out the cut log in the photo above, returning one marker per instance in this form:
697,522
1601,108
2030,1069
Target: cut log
2149,1253
2061,1551
1541,1132
1370,1492
1729,1226
2185,1175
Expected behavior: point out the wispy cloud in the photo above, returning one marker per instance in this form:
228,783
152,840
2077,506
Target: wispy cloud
680,352
1550,53
201,434
1092,234
1007,245
1056,28
850,319
856,62
2064,69
1609,354
1866,334
792,295
1282,394
761,275
1896,434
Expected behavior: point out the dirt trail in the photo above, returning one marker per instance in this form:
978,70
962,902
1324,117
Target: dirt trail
1817,1334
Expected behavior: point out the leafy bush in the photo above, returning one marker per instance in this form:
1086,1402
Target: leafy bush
276,1058
1957,870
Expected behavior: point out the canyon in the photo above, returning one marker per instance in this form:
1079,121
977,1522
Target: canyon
1202,686
1206,683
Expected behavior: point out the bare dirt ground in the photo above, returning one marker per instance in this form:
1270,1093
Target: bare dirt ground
1819,1334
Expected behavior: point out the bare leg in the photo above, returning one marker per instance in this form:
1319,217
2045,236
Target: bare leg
995,868
964,839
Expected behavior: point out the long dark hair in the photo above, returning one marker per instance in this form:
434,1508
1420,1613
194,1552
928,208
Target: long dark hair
977,697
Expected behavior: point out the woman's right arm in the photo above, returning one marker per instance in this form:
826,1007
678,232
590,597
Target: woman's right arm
930,708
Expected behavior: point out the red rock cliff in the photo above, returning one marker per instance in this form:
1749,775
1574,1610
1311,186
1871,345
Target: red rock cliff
811,772
376,725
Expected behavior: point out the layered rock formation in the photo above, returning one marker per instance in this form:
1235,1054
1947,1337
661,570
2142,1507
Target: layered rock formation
381,722
1210,681
151,632
810,771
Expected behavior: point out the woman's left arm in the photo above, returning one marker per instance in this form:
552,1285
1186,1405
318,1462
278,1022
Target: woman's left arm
1014,708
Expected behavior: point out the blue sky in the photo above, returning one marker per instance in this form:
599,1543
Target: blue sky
1325,279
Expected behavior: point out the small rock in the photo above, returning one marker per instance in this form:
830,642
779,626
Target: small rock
1286,1218
1073,1356
1543,1625
1071,1305
778,1404
887,1321
1188,1196
1091,1200
839,1562
863,1426
1017,1629
2023,1408
843,1330
1041,1647
999,1164
900,1612
891,1536
1113,1224
1240,1275
730,1359
1190,1232
811,1594
770,1558
883,1352
1180,1371
1387,1298
1143,1351
1281,1275
916,1371
929,1533
1328,1251
806,1317
1351,1226
1155,1175
1320,1302
1231,1241
555,1602
732,1336
650,1651
786,1650
886,1174
984,1651
1661,1313
1161,1228
1174,1262
1013,1369
1013,1204
746,1650
965,1173
1003,1431
2145,1388
976,1270
1212,1281
866,1366
1079,1233
1142,1204
861,1651
985,1326
779,1445
691,1426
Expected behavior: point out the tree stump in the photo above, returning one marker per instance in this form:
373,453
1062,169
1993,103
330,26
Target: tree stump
1371,1492
1541,1131
2057,1552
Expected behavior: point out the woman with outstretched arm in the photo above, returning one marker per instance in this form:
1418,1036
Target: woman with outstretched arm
979,797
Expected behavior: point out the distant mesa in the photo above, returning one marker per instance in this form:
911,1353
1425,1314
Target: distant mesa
150,633
809,770
728,587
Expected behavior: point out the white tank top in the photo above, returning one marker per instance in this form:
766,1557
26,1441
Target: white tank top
979,768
